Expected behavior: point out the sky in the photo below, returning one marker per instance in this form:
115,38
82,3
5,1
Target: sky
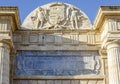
89,7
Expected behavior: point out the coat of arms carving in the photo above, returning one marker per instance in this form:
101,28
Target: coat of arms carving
56,13
57,16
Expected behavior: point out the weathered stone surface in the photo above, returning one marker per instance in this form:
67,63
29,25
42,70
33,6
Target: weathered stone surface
49,81
92,82
66,81
41,82
74,81
57,63
58,45
83,81
32,82
24,82
56,16
58,82
16,82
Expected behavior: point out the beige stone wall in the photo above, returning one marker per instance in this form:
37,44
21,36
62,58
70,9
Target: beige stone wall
71,81
56,40
103,37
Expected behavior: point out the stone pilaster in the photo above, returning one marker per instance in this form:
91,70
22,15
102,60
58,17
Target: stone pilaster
12,66
4,63
9,23
113,50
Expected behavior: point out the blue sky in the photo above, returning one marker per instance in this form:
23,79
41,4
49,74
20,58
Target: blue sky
90,7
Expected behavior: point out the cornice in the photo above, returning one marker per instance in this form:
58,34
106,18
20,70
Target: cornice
12,11
103,12
58,31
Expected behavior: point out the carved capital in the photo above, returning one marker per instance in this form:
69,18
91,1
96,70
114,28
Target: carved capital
8,44
5,46
103,52
110,43
113,44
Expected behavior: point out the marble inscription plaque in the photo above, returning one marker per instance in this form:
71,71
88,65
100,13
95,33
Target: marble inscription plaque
56,63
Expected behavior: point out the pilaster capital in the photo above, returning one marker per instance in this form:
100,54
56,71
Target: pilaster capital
8,44
102,52
112,44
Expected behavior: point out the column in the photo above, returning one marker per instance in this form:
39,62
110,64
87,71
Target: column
113,51
4,63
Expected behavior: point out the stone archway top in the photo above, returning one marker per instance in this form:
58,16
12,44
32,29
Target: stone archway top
56,15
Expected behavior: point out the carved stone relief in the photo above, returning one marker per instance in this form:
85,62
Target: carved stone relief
118,24
53,38
41,38
33,38
50,38
56,16
4,25
114,24
17,38
67,39
57,63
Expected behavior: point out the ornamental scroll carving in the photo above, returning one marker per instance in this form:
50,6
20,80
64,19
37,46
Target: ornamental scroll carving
57,16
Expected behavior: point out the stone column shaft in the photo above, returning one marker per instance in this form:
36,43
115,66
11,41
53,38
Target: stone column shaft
4,63
113,50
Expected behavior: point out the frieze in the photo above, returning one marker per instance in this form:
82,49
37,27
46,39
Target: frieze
33,38
41,38
57,63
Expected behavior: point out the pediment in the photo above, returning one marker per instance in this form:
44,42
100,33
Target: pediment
56,16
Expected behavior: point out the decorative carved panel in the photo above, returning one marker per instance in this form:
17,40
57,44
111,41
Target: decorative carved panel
33,38
67,38
50,38
57,63
57,16
17,38
4,25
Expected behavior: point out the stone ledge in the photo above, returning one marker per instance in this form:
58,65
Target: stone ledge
92,77
103,12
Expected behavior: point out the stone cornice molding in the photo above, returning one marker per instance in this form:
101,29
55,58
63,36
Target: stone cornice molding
103,12
56,31
107,44
8,43
11,12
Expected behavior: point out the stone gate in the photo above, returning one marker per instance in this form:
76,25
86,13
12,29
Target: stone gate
57,44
